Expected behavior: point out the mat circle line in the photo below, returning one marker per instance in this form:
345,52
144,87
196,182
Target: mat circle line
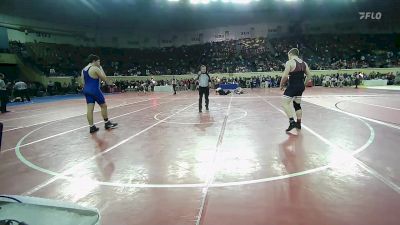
193,185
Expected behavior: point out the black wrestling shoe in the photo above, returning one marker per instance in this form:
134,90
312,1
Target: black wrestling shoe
93,129
110,125
298,125
292,125
200,111
207,108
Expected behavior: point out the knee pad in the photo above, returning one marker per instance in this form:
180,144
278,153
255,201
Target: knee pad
297,106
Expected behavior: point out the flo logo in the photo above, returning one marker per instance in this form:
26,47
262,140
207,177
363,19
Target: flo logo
370,15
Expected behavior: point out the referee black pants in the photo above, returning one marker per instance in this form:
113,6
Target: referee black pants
206,92
4,100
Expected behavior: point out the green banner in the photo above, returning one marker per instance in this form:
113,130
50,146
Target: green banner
6,58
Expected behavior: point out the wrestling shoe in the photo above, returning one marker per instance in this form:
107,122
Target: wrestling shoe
110,125
93,129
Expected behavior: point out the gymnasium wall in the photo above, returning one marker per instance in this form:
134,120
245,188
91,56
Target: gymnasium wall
39,31
50,33
346,27
222,33
8,65
6,58
82,36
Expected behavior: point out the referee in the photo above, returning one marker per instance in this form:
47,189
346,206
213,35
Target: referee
174,84
3,94
204,86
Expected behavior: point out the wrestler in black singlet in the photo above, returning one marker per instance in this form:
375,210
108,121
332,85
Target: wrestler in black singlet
296,80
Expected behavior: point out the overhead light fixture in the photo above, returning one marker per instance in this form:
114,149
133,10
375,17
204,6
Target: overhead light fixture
199,1
224,1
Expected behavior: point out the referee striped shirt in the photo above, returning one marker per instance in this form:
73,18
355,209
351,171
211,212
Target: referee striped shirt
204,79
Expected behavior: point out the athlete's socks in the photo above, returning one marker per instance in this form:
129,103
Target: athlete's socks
106,120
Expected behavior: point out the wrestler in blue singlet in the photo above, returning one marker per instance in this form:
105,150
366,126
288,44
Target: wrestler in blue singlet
92,89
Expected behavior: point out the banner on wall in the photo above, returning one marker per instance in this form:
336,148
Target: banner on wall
6,58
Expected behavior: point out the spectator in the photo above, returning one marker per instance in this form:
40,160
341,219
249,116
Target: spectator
50,87
21,91
3,94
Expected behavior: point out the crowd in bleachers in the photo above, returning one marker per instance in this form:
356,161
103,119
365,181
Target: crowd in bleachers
245,55
14,93
191,84
29,89
345,79
260,81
